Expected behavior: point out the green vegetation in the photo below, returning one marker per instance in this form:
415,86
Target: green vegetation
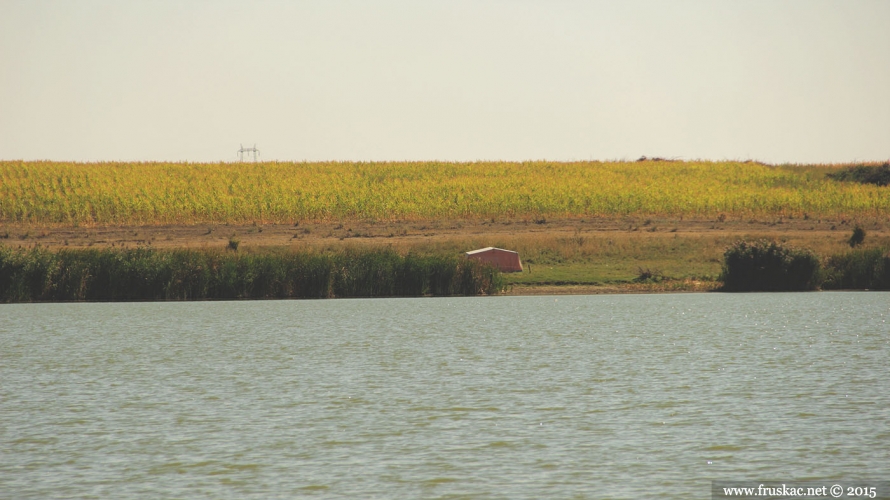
857,237
596,257
622,258
628,261
145,274
864,268
769,266
879,175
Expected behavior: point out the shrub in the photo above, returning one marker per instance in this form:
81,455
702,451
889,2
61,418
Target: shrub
857,238
649,276
878,175
769,266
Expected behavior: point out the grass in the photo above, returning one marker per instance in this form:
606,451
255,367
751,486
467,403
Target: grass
576,254
607,257
617,257
557,262
185,193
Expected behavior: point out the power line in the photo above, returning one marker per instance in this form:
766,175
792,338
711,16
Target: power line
250,151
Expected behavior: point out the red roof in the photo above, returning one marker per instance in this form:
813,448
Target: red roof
504,260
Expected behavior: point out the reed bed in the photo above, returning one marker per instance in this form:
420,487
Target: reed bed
863,268
273,192
36,274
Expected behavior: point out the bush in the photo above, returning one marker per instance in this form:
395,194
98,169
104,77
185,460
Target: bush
878,175
649,276
769,266
857,237
866,268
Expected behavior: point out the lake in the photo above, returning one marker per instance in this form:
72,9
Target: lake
610,396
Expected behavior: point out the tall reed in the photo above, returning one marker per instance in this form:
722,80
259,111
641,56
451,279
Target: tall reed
146,274
862,268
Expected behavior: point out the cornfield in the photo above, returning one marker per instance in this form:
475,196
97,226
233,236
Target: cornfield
278,192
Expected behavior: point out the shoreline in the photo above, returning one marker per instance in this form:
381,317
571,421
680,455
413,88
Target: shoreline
558,291
613,289
569,256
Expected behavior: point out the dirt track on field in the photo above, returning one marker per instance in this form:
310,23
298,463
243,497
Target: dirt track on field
408,232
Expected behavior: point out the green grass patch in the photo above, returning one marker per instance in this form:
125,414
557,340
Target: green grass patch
615,270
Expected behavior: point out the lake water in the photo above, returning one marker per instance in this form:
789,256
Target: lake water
621,396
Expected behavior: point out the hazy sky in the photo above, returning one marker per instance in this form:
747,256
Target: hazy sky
191,80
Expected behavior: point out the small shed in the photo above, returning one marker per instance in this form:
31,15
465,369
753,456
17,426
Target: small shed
505,260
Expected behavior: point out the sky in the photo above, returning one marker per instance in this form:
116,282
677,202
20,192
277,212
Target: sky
800,81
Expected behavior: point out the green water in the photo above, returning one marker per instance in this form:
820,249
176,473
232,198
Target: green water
632,396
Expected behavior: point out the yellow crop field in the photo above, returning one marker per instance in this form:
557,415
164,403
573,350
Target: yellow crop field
278,192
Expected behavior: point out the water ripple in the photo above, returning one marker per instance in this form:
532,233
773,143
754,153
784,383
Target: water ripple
519,397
